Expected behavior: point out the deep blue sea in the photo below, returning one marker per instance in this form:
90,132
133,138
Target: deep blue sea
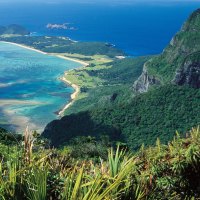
139,28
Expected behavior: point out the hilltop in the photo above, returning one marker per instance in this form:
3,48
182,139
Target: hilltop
13,29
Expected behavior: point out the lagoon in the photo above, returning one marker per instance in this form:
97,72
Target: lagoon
30,89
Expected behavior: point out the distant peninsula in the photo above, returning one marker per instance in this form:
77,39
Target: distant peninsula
55,44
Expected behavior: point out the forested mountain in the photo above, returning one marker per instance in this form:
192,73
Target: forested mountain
122,114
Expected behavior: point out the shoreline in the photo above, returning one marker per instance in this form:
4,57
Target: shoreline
45,53
63,78
25,47
68,58
73,95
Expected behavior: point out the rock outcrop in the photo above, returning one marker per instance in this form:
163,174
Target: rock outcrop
144,82
189,73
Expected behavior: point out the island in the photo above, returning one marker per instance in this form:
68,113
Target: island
13,30
127,135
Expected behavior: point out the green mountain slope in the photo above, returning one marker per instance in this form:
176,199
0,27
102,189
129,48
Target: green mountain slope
175,63
141,118
116,81
115,87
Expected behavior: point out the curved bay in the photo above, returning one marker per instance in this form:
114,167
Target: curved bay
30,91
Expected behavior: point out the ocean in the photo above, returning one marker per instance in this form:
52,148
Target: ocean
137,27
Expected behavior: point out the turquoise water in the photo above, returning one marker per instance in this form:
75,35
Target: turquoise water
30,90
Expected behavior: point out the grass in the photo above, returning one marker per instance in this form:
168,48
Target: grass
158,172
95,59
81,76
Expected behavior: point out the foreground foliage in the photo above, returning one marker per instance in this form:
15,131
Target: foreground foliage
29,171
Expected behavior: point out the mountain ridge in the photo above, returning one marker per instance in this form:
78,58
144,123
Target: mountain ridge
170,66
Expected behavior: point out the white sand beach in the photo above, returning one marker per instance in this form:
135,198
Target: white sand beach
51,54
26,47
73,95
71,59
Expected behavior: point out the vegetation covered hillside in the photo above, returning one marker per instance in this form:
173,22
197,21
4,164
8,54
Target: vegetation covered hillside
103,82
101,85
28,171
113,109
158,113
